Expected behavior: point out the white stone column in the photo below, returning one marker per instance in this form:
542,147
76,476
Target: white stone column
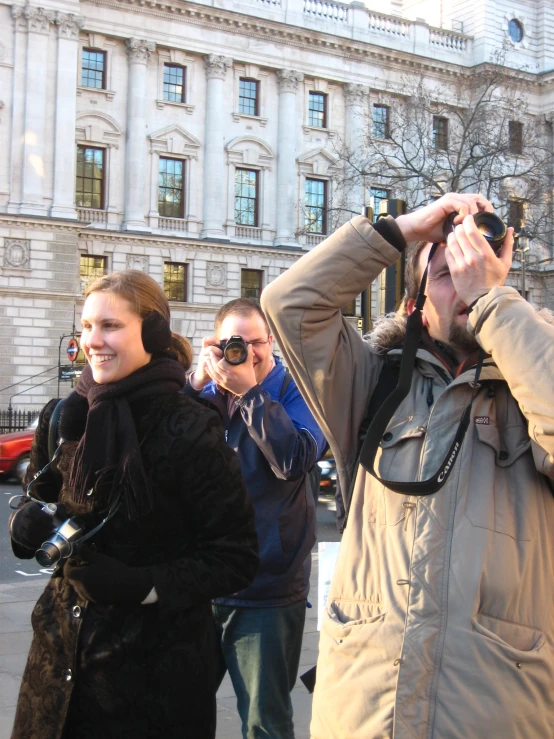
356,98
286,157
37,22
18,109
214,164
63,202
139,52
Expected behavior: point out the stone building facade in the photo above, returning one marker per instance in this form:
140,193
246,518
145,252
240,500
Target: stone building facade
197,141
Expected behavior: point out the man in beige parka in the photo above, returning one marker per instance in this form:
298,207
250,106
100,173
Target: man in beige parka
440,617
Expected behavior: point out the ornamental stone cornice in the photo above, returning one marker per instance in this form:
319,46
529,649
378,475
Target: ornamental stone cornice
355,95
33,20
217,66
121,237
69,25
139,50
289,79
218,19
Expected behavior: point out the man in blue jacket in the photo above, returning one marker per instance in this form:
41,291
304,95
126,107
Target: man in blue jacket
278,441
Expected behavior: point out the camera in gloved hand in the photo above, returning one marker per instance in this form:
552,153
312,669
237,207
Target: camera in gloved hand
45,528
62,544
490,225
235,350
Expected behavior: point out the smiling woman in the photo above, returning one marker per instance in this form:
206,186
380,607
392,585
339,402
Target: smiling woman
111,337
147,472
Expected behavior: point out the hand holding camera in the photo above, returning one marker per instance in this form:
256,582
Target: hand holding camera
476,261
33,523
427,224
228,363
478,245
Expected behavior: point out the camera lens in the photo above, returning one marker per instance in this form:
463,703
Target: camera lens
490,225
487,233
236,350
48,554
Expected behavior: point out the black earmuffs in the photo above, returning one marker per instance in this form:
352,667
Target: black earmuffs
156,333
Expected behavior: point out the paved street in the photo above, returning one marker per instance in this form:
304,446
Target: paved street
21,583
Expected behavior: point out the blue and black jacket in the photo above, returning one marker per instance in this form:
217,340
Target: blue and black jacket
277,441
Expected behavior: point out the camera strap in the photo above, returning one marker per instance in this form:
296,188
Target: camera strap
385,413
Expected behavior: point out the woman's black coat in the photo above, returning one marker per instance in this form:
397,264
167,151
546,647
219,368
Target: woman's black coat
143,670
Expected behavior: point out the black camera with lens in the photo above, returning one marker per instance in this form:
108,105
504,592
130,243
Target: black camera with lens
63,541
235,350
490,225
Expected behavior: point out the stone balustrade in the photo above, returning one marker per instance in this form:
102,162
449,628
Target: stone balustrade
388,25
355,21
321,9
91,215
248,232
172,224
449,40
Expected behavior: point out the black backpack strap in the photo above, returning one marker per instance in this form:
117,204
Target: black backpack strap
388,380
53,428
286,382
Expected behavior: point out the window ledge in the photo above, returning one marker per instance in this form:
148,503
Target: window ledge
82,90
318,129
189,109
238,116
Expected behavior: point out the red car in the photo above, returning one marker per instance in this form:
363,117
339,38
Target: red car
15,451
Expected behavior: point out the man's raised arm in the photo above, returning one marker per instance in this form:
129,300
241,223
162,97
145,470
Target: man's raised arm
333,368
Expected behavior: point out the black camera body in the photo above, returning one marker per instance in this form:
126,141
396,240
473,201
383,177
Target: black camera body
63,541
235,350
490,225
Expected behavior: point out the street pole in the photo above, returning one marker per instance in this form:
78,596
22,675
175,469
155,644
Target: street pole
366,292
522,248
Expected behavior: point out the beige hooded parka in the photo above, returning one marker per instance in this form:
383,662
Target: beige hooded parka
440,618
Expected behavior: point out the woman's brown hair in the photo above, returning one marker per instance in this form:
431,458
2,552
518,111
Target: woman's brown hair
145,296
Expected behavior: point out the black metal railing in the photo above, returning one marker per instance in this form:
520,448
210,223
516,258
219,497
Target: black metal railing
12,420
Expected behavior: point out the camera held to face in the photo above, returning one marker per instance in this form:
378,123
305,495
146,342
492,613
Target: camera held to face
490,225
62,542
235,350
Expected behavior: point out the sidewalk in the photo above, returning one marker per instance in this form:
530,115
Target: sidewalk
16,604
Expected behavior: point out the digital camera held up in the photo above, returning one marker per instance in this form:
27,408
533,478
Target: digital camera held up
235,350
490,225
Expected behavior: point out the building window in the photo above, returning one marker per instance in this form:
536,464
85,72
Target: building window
381,128
251,283
174,83
515,134
440,132
175,281
316,206
89,189
317,110
90,269
378,196
93,69
515,31
246,197
248,97
515,214
171,188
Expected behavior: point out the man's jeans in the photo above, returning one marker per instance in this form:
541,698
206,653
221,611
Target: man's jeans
261,649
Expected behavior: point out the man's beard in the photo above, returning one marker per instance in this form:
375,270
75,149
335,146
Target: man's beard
459,338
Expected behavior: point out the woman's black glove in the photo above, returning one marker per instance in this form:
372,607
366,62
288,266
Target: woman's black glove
30,526
103,579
